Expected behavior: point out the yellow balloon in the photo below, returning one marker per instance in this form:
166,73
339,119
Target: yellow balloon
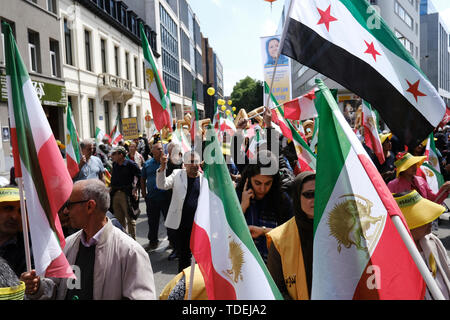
228,112
230,102
211,91
234,108
224,108
221,102
234,116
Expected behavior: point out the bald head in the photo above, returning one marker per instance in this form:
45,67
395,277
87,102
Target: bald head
93,189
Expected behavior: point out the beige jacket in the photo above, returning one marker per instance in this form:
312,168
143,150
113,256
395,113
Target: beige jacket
178,182
122,269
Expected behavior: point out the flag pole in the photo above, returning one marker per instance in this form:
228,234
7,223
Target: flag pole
283,36
431,283
24,216
191,278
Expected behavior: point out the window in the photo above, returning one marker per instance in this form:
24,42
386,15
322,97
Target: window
119,115
51,6
87,49
116,59
406,43
144,80
68,43
127,65
12,25
33,50
400,11
103,54
136,80
91,117
54,58
107,125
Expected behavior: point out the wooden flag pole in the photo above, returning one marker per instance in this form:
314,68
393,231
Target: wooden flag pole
431,283
24,216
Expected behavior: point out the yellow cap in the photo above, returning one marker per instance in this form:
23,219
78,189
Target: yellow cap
407,161
418,211
13,293
383,137
9,194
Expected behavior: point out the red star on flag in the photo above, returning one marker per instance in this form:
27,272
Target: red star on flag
414,90
371,50
326,17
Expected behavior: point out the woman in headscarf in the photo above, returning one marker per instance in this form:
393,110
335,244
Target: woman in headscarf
291,245
264,204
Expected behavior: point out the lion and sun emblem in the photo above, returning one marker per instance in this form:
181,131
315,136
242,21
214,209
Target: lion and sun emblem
236,255
351,223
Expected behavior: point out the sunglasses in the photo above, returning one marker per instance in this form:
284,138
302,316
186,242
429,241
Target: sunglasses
69,204
308,194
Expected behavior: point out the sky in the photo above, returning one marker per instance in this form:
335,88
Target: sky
234,29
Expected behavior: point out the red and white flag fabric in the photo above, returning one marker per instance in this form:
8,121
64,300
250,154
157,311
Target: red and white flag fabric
301,108
73,154
178,137
432,153
159,95
115,134
358,252
220,240
38,161
371,136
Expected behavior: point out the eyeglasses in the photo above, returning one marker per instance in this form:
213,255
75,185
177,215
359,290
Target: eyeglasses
69,204
308,194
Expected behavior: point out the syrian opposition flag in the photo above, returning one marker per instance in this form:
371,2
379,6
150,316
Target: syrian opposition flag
349,42
358,252
73,154
371,136
38,161
301,108
220,240
159,95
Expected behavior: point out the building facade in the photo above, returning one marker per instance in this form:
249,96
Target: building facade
212,77
36,28
103,64
179,41
435,52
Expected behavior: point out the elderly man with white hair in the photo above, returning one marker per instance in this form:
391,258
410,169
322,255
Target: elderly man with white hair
110,265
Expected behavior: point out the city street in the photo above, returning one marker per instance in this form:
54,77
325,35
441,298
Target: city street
164,270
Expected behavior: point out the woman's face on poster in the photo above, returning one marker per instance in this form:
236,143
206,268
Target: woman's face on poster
273,47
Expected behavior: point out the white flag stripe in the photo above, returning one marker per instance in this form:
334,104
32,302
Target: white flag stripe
210,216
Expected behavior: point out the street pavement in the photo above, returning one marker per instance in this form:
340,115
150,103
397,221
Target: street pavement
164,270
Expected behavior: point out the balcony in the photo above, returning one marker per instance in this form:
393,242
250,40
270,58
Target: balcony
114,88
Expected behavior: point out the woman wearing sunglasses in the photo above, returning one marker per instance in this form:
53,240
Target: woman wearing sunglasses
291,244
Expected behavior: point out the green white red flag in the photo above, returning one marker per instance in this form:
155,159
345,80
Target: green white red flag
115,134
73,154
220,240
371,136
159,95
350,43
38,161
432,153
99,134
301,108
358,252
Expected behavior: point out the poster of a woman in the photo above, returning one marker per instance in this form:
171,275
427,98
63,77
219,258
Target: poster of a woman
272,45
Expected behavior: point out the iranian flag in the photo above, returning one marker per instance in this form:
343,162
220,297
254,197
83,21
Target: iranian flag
179,138
38,161
350,43
159,95
432,153
220,240
358,252
434,179
115,134
99,134
73,154
371,136
301,108
227,125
